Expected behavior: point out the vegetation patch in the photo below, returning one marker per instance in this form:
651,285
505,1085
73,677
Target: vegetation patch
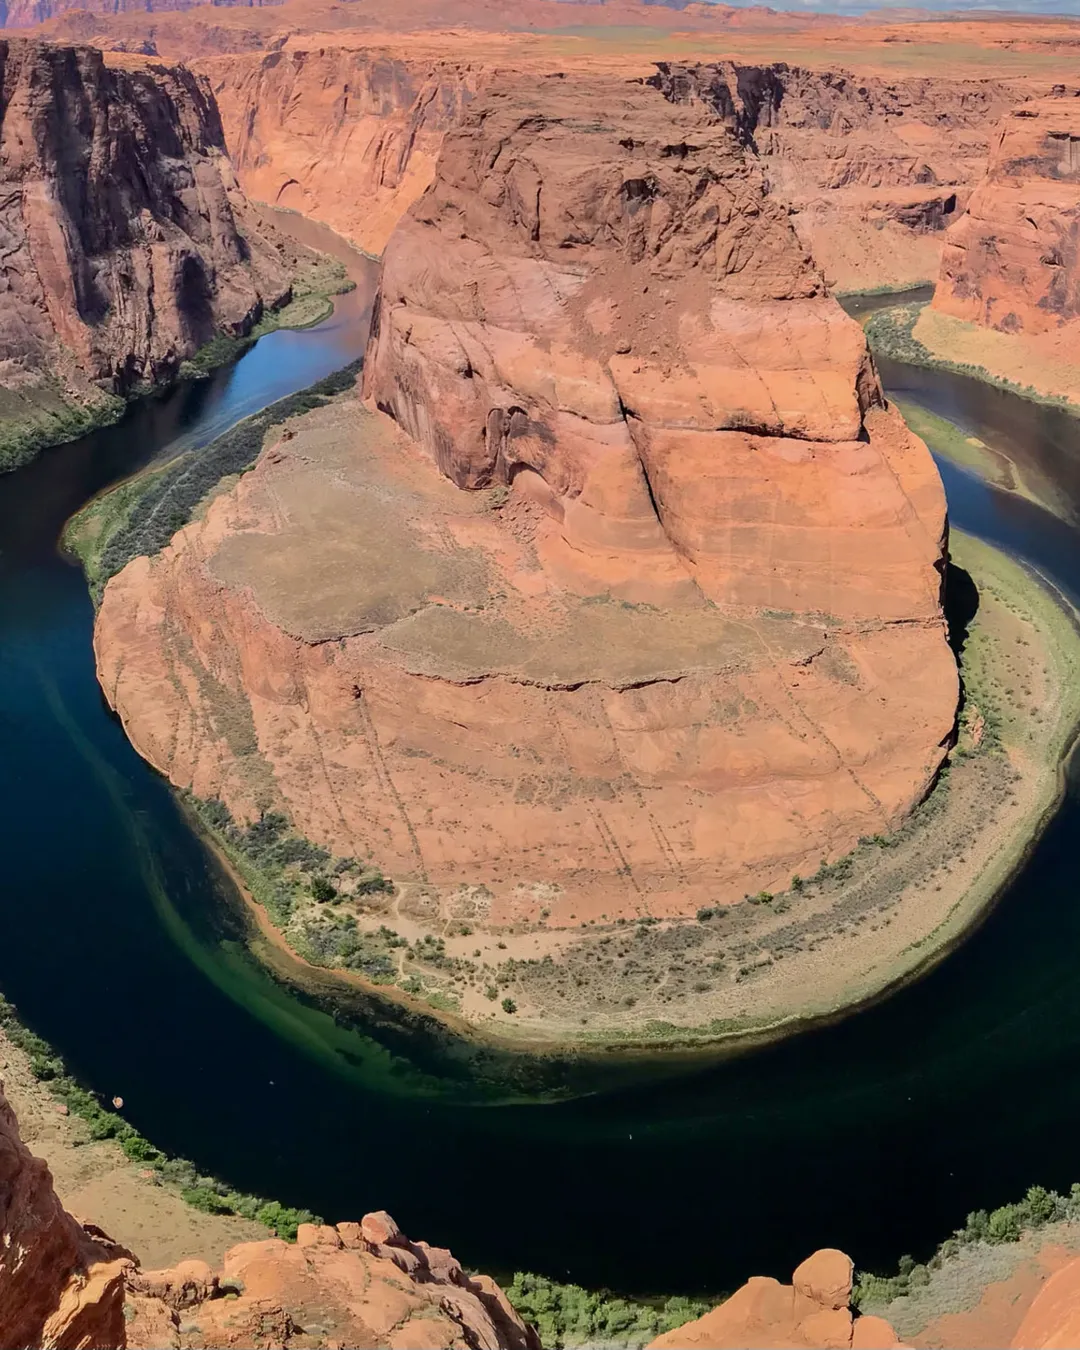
139,517
41,415
567,1315
200,1191
1008,1223
890,333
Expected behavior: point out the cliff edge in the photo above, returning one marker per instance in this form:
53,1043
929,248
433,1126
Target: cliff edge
125,249
1012,262
66,1285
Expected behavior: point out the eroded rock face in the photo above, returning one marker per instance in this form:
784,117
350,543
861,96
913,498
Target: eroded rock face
122,251
66,1286
875,169
811,1313
339,133
1012,261
598,302
60,1284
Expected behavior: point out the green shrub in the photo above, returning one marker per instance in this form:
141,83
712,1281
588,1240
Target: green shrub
567,1315
323,889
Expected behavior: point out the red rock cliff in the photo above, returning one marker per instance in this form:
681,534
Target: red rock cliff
344,135
60,1285
874,168
64,1285
1012,262
123,252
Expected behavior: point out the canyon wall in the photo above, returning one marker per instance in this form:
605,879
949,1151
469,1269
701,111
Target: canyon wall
340,133
124,248
1012,262
66,1285
875,168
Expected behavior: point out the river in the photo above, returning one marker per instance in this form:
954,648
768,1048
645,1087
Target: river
120,944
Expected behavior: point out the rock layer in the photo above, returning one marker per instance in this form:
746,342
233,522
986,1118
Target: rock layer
875,169
123,252
1012,262
66,1285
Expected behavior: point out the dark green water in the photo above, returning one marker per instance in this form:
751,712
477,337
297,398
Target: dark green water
119,944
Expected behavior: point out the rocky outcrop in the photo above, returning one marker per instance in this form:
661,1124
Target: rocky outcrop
122,226
1012,262
342,134
66,1285
61,1284
811,1313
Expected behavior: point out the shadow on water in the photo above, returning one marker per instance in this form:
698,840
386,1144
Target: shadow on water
121,943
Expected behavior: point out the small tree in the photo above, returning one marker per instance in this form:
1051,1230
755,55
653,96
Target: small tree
323,889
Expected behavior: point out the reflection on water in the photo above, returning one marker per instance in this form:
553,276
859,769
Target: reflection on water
120,943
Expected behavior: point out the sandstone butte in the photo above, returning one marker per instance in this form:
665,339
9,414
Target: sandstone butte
637,609
1012,262
122,225
66,1284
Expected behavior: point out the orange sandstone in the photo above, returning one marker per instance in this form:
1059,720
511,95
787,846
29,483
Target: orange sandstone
811,1313
647,617
1012,262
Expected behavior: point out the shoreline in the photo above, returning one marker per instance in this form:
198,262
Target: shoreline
968,911
890,333
223,349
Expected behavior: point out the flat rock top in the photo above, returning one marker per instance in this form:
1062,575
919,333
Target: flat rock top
345,528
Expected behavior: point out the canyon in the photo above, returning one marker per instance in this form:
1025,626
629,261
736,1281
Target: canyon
609,605
128,244
874,169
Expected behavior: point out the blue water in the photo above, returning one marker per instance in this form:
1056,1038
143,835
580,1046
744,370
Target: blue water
120,942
